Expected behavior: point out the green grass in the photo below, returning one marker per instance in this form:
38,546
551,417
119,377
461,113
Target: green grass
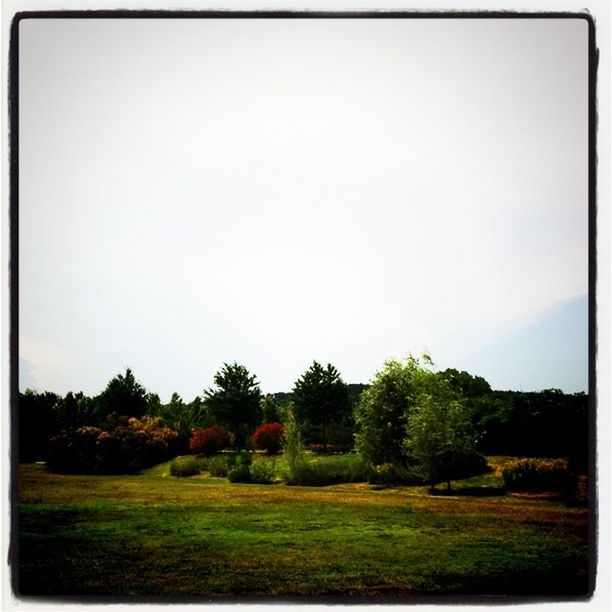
161,536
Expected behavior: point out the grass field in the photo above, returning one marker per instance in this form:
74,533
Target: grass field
159,536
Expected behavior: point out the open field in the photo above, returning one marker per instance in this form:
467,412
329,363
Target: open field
159,536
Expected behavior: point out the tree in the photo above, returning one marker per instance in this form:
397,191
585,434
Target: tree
321,397
439,433
381,415
269,409
235,403
464,384
293,448
123,395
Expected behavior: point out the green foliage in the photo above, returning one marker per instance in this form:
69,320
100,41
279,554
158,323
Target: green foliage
235,402
123,395
439,433
382,413
320,397
262,472
179,415
464,384
543,424
217,465
293,447
324,471
185,466
242,470
269,409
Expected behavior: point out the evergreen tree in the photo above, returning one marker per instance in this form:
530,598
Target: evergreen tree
235,402
320,397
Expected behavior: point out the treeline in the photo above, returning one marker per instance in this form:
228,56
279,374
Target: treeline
127,427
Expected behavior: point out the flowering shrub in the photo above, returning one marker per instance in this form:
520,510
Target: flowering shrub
269,437
128,445
210,440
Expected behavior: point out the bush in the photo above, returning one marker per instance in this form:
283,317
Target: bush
210,440
184,466
320,472
125,445
262,472
242,471
269,437
218,465
537,475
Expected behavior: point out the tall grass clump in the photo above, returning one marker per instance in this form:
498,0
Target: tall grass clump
184,466
262,471
323,471
217,465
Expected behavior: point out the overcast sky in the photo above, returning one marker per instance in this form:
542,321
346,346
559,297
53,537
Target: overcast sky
271,192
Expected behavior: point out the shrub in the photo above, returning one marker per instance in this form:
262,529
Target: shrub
218,465
242,471
269,437
125,445
184,466
537,475
74,451
210,440
320,472
262,472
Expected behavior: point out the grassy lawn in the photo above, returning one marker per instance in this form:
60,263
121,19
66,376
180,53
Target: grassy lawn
160,536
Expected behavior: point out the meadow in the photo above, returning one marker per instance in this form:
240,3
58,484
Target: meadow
158,536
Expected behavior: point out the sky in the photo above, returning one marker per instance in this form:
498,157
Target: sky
194,192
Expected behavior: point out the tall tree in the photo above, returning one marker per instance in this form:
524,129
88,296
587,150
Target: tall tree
439,434
320,397
235,402
382,412
269,409
123,395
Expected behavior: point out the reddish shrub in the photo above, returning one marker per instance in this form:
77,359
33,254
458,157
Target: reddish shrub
269,437
210,440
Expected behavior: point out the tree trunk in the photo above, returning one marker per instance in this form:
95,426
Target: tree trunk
448,485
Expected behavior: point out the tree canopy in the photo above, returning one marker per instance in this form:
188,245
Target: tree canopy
123,395
381,415
440,437
235,402
321,397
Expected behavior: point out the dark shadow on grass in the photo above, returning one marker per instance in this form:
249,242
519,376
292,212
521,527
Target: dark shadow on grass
472,491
